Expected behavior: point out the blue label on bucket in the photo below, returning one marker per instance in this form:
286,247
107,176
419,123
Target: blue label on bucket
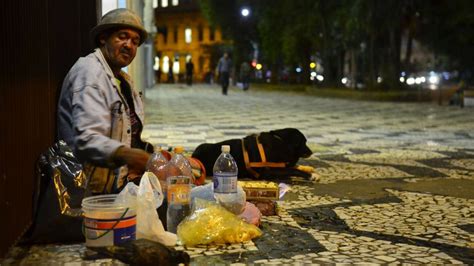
126,234
107,232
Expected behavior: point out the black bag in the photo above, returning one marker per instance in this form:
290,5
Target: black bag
60,188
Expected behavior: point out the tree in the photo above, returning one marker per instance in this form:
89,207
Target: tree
294,31
369,31
226,15
447,27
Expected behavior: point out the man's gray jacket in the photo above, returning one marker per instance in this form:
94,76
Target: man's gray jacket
94,120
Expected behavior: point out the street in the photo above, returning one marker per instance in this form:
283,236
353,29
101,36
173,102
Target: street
393,184
395,179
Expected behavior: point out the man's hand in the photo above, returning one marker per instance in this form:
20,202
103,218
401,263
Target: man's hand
135,159
134,175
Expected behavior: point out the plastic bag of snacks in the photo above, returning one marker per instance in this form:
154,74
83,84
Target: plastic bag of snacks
210,223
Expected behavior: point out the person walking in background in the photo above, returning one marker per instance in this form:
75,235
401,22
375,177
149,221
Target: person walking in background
170,76
189,72
245,75
224,67
100,114
158,75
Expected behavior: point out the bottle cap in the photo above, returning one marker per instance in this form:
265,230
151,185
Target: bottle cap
179,149
225,148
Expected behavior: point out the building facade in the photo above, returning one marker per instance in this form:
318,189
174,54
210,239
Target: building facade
183,34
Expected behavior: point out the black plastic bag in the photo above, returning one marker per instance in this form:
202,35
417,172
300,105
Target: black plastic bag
60,187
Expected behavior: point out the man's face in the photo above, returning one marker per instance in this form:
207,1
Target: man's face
120,47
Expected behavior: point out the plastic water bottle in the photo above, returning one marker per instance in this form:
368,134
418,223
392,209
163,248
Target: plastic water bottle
225,181
179,201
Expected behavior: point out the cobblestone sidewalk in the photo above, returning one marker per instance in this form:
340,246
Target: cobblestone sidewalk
395,179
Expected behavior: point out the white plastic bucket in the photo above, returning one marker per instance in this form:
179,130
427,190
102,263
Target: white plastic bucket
108,222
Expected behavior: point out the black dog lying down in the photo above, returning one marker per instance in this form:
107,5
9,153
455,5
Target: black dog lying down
277,156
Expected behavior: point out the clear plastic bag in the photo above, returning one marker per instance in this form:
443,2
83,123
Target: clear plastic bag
210,223
233,202
203,192
146,198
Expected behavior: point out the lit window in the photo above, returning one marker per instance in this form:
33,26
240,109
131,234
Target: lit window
174,2
166,64
122,4
176,66
156,66
155,3
188,35
164,3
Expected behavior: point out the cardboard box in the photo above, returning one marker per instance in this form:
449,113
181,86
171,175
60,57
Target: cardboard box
260,190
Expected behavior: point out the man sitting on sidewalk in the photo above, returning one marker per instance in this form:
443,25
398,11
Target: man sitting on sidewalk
100,114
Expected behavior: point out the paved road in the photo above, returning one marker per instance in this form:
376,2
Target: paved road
399,175
395,179
181,115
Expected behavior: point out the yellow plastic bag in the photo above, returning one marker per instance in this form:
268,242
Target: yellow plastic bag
210,223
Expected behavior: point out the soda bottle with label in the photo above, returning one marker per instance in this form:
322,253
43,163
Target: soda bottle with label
157,165
180,164
179,201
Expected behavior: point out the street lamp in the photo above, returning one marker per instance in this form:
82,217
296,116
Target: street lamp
245,12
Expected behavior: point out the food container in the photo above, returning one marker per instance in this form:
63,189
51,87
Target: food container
108,221
260,190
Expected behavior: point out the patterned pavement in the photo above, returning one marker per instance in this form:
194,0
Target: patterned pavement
394,184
